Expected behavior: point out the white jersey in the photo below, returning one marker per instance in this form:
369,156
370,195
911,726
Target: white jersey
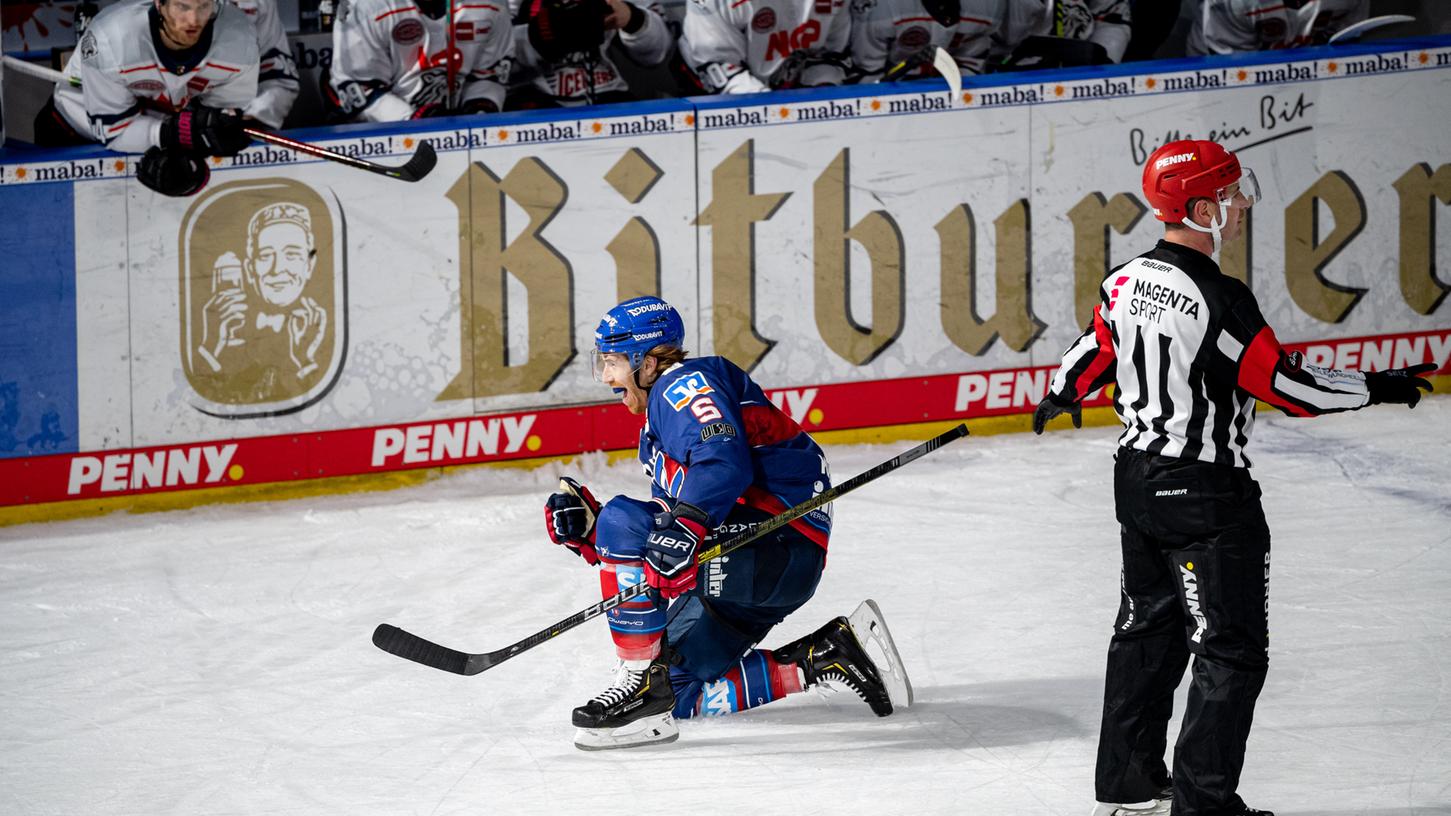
583,77
1227,26
277,82
1105,22
742,46
885,32
120,86
390,59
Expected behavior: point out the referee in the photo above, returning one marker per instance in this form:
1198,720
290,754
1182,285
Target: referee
1190,353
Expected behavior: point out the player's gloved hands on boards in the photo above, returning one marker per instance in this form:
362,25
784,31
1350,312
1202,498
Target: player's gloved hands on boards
1399,385
173,172
671,547
204,130
569,517
1052,406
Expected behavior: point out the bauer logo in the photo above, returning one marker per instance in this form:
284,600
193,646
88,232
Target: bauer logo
263,298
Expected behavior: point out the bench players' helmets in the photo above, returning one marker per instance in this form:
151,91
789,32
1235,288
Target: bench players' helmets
1182,171
638,325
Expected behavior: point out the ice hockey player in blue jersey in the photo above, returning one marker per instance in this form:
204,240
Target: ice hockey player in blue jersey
720,457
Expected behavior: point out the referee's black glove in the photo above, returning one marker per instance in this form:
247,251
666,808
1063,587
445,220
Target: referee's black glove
1399,385
1052,406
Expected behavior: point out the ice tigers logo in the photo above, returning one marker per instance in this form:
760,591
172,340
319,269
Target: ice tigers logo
914,38
407,32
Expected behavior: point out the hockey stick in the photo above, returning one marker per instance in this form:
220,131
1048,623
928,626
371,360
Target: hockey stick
418,166
452,66
941,60
947,67
409,646
1355,31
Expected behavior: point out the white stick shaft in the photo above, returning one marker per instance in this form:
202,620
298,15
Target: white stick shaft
38,71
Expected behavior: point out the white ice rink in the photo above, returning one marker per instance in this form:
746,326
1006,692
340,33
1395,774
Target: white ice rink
217,661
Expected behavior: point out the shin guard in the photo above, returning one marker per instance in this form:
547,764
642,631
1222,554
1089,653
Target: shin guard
636,626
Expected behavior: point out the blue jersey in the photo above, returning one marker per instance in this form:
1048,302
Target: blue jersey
712,439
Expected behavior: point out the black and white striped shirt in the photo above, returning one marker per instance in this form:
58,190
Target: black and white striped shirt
1190,353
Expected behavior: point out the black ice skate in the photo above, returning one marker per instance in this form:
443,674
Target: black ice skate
833,653
634,711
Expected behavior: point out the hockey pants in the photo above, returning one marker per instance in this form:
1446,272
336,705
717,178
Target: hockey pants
1195,581
736,601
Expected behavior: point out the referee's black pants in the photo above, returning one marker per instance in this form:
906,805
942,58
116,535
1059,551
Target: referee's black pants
1196,570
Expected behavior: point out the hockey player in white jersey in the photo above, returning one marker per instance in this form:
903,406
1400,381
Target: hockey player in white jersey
563,51
157,73
1043,33
1229,26
391,59
746,46
886,33
277,81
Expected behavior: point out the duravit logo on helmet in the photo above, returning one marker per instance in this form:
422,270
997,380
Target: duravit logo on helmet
1172,160
648,307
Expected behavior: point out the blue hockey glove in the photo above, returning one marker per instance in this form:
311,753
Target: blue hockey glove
569,518
671,548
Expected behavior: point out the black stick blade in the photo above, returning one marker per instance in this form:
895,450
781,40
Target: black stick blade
419,166
409,646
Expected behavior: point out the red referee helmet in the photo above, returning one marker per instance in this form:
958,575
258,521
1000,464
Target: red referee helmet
1182,171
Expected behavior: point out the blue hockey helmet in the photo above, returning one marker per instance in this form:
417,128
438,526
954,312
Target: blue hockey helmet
636,326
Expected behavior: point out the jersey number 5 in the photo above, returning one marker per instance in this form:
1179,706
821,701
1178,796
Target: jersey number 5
705,410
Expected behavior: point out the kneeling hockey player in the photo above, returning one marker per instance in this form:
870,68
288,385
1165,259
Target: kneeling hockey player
720,457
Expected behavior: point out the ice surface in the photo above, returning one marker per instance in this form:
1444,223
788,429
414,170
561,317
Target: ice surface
217,661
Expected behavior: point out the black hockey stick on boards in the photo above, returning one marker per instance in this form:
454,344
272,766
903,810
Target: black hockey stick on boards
414,169
409,646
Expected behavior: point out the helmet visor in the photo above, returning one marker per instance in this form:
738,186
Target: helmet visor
613,363
1248,187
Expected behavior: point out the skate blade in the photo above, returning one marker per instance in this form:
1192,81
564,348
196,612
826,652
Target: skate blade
656,730
1153,807
871,631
